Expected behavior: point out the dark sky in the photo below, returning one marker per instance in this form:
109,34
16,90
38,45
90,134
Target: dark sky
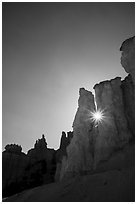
50,50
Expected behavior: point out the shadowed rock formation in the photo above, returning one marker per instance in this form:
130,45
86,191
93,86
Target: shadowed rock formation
128,56
128,90
14,163
113,131
128,84
41,168
65,141
13,148
110,186
21,171
93,143
79,153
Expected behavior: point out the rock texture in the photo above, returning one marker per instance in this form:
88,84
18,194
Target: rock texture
79,153
128,90
128,56
128,85
93,143
113,132
65,141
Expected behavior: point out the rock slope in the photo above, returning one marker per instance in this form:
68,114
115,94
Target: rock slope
115,185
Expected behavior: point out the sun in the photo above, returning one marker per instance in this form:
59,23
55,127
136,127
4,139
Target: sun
97,116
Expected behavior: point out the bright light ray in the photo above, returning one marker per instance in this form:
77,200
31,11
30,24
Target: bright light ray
97,116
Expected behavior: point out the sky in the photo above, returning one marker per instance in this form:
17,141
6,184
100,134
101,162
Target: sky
49,51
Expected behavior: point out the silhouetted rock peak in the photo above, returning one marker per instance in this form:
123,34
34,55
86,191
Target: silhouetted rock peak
128,56
128,43
41,143
65,139
21,171
69,135
63,134
13,148
84,98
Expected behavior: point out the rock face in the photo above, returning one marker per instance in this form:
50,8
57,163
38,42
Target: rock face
41,168
65,141
128,90
128,56
113,132
14,163
93,143
79,153
128,85
21,171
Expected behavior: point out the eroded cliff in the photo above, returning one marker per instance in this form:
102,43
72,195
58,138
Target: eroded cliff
93,142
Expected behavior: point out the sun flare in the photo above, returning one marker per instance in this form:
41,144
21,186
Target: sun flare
97,116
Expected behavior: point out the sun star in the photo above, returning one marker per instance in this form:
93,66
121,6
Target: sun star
97,116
